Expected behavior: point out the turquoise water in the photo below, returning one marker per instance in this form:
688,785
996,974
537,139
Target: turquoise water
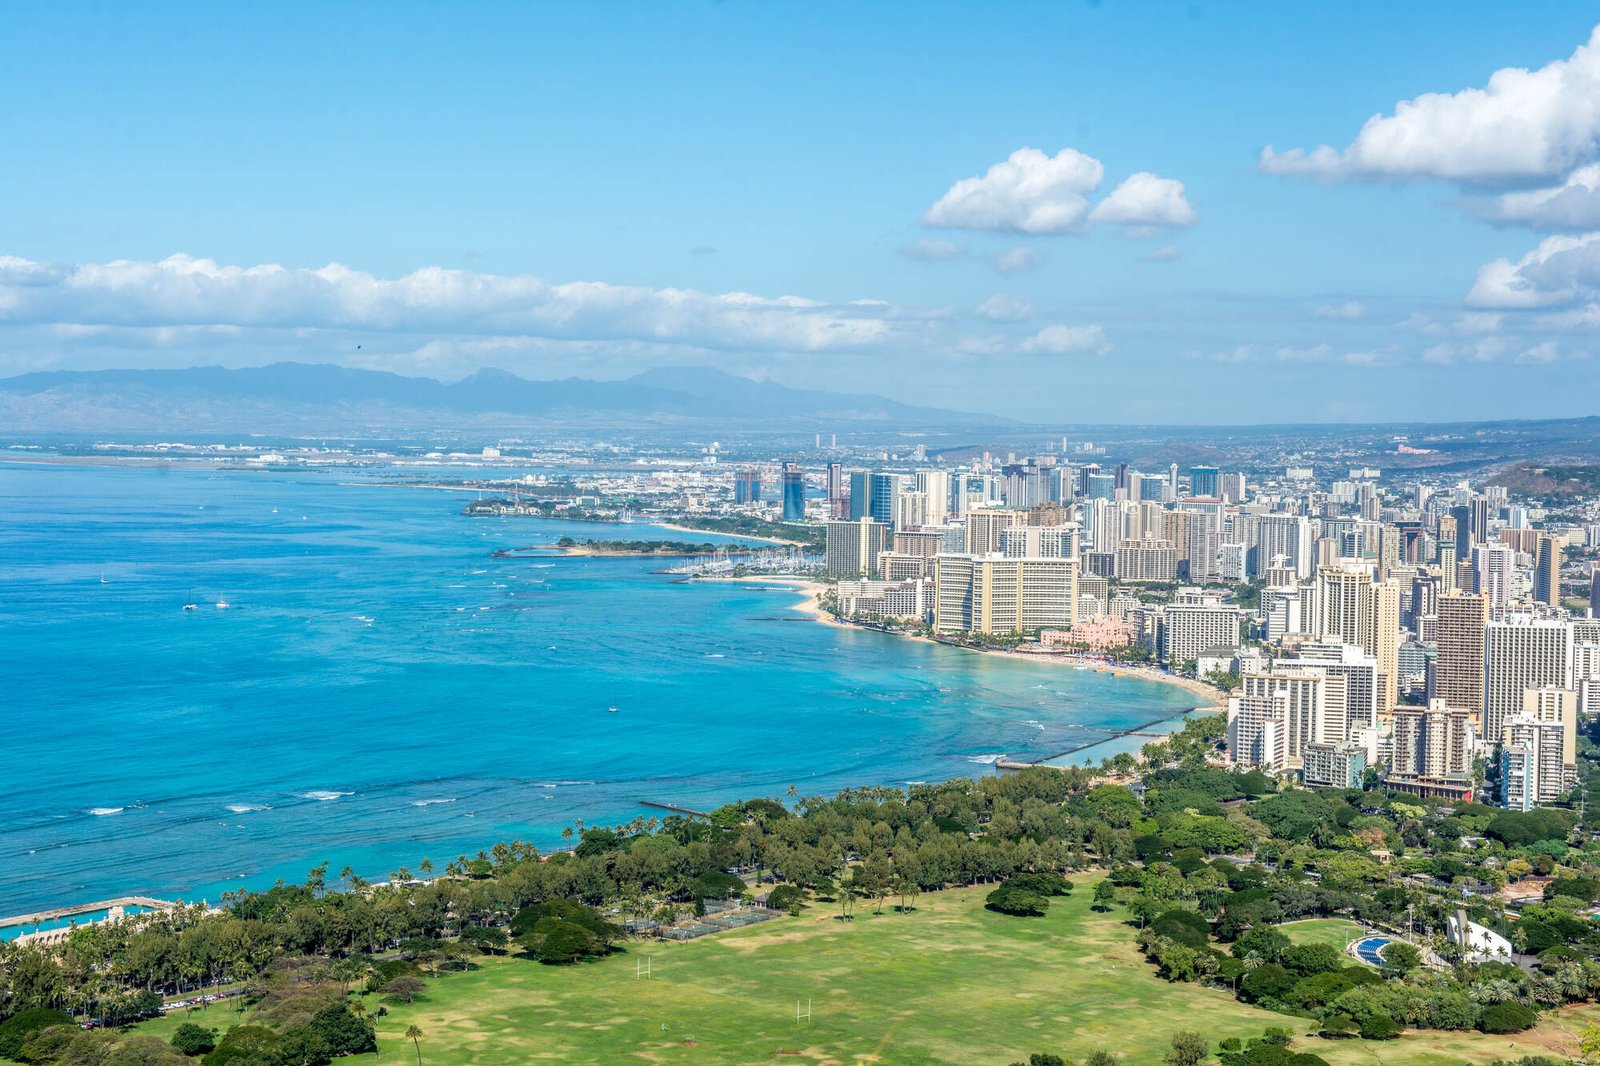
382,690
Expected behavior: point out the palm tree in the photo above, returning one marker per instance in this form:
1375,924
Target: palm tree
414,1035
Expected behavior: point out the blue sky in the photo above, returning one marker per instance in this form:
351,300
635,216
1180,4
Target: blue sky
777,189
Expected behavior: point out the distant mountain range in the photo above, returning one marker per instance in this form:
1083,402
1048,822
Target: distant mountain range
323,399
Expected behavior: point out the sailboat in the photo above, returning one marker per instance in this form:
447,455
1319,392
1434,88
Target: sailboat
189,604
223,604
103,580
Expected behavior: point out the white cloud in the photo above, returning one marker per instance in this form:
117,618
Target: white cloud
1562,271
1316,354
1539,353
1483,350
1522,126
1572,205
1145,202
1003,308
1029,192
1018,260
1034,193
933,251
1350,309
186,292
1165,254
1060,340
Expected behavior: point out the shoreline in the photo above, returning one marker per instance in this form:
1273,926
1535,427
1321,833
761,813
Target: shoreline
1213,701
716,533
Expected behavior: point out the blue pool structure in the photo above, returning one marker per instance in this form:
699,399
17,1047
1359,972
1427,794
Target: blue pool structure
1370,949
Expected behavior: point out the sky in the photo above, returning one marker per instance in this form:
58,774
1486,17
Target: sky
1064,212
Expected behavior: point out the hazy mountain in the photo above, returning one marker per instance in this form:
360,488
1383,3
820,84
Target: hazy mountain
323,399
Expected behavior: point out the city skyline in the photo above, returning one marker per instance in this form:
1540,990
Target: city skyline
1274,219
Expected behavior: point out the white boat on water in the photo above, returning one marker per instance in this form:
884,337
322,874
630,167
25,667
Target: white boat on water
223,605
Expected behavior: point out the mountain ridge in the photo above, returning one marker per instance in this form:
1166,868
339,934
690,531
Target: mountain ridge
292,395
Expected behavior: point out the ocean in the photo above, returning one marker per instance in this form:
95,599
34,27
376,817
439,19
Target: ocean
381,689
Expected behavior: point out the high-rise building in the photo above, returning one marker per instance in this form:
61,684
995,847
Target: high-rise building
935,485
747,485
984,526
884,489
1146,559
1432,752
1353,608
1363,686
1205,544
1205,482
794,493
1458,666
1522,651
1192,628
1538,754
1492,567
999,594
860,494
838,486
1341,765
853,547
1284,535
1276,715
1547,570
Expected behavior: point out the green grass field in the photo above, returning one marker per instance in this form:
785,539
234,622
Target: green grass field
951,982
1335,932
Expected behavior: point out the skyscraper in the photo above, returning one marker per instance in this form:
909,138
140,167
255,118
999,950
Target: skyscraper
1458,667
885,487
853,547
794,493
1205,482
1354,608
1284,535
1492,567
747,485
1522,651
1547,570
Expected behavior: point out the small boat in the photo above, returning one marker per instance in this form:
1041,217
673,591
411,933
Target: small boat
103,580
611,710
223,605
189,604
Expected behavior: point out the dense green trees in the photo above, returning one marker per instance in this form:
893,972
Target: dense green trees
1205,863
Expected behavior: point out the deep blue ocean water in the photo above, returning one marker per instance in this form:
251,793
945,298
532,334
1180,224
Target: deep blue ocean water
381,690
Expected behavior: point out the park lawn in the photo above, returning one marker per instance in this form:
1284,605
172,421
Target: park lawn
951,982
1335,932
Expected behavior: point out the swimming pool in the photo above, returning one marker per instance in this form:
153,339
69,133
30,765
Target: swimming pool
1370,949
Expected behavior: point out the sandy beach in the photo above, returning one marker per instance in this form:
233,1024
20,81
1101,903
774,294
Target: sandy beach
714,532
1210,699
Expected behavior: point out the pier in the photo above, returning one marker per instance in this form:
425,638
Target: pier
115,911
675,809
1145,730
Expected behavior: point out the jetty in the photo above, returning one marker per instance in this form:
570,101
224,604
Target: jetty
115,911
1146,730
675,809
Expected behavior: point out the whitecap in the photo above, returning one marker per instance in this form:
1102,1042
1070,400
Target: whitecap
322,795
101,812
987,760
246,808
431,802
